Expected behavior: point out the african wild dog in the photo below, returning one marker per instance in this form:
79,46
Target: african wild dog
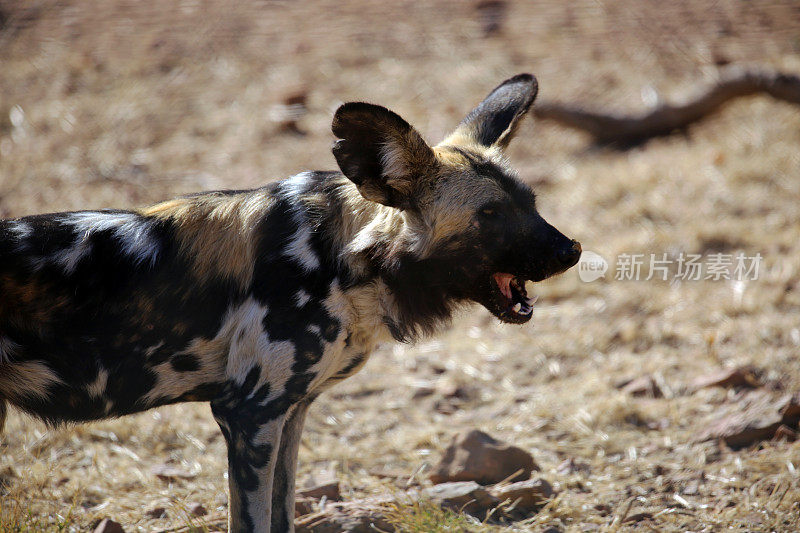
257,301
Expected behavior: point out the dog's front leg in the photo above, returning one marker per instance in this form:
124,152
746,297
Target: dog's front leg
284,481
252,452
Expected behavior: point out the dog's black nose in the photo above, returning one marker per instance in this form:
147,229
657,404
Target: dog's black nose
569,256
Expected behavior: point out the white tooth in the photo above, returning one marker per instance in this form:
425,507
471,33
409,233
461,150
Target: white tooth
532,300
526,311
517,307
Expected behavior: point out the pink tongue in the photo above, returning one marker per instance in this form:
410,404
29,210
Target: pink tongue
504,281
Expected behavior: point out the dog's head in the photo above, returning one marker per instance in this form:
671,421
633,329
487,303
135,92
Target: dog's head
465,205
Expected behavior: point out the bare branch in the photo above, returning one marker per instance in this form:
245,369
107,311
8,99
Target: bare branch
625,130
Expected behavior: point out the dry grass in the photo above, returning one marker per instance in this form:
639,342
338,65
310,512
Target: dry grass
114,103
429,517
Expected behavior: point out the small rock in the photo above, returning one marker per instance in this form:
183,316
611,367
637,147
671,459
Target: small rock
755,417
196,509
643,386
422,391
720,59
355,517
319,477
571,466
107,525
552,529
451,390
462,496
444,407
475,456
603,509
156,512
394,474
331,491
526,495
167,472
692,488
728,378
303,506
298,98
492,14
658,425
288,113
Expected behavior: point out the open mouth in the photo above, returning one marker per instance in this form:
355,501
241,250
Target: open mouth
517,307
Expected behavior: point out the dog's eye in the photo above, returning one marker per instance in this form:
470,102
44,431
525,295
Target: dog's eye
490,214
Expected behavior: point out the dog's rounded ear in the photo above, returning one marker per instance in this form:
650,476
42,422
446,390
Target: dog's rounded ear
381,153
495,120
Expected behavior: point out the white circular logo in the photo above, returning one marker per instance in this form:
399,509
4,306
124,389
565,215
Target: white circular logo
592,266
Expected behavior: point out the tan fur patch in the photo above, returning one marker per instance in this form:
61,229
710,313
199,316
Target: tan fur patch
463,140
172,383
27,379
217,231
97,388
365,307
405,157
362,310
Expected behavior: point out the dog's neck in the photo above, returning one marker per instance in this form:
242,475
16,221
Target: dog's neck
384,246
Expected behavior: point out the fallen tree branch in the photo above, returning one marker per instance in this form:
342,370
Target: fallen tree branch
624,131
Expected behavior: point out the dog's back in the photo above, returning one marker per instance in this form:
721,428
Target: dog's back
100,308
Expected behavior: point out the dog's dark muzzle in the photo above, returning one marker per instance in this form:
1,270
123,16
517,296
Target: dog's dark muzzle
568,256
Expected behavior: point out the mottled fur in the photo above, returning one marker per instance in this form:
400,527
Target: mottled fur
257,301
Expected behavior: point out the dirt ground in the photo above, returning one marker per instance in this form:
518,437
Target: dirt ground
116,103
